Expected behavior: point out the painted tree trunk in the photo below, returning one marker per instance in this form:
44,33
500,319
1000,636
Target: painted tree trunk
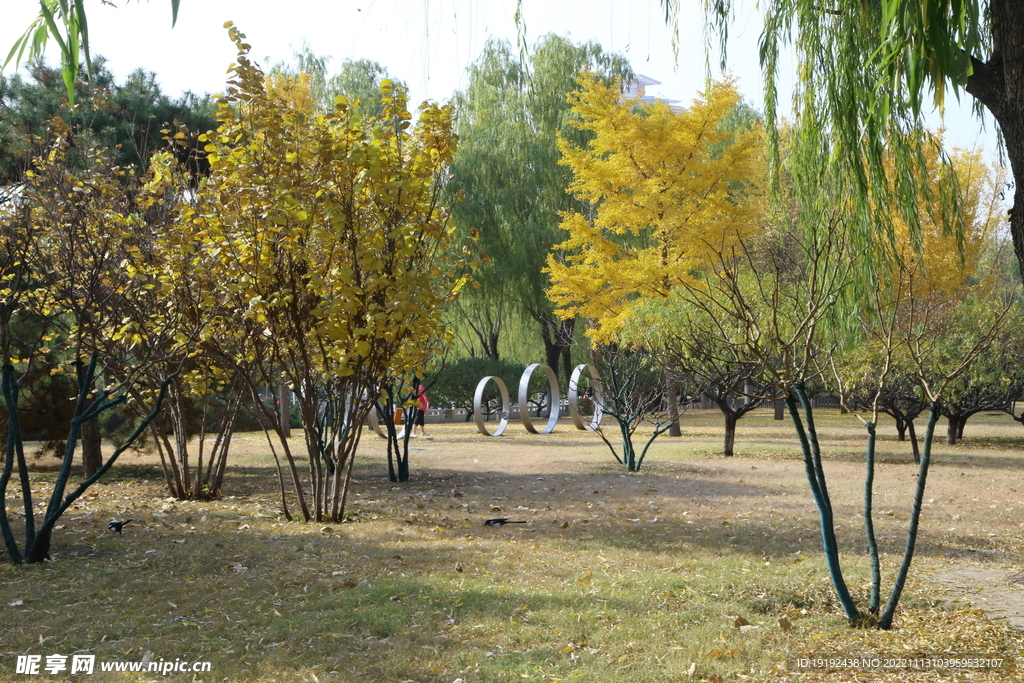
628,452
807,434
885,621
869,525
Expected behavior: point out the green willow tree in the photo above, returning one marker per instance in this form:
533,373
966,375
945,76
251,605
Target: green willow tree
508,179
357,80
867,70
67,24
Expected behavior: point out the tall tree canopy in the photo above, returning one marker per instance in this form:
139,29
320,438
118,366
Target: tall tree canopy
507,174
358,81
659,189
126,118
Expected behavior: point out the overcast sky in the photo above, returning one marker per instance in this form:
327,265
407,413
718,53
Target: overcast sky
427,43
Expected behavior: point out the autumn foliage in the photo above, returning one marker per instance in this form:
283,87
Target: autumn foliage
659,188
327,249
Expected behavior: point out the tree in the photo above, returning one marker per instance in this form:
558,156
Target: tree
664,187
951,270
866,72
632,379
509,183
660,189
66,241
128,119
716,371
332,245
358,80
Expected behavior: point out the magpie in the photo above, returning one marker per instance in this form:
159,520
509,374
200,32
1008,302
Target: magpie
500,521
117,526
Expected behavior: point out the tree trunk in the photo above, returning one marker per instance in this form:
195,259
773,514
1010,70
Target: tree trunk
780,409
960,428
730,433
672,396
913,441
92,455
999,85
284,397
557,337
952,431
628,453
901,426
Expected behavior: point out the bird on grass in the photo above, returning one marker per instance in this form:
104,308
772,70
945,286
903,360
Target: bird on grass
118,526
501,521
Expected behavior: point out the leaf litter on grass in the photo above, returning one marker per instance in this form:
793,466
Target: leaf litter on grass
414,589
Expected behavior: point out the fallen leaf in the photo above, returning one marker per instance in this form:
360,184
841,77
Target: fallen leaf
785,624
740,621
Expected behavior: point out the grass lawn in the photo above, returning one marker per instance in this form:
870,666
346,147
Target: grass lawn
697,568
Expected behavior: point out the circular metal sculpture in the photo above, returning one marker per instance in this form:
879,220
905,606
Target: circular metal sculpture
524,390
478,398
375,423
373,419
574,390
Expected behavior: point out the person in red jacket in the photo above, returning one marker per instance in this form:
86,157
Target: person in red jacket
419,414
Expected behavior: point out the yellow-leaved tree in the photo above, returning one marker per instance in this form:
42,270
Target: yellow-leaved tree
658,188
328,244
942,263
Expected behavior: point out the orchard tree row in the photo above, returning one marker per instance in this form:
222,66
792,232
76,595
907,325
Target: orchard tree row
684,253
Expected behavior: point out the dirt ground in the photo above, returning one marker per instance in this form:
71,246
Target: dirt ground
691,531
970,550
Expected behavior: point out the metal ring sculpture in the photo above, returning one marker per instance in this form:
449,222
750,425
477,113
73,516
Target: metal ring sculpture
478,397
374,421
524,390
574,389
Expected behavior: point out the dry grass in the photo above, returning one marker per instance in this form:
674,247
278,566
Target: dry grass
616,578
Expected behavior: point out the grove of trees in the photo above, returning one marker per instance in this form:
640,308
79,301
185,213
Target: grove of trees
316,247
328,239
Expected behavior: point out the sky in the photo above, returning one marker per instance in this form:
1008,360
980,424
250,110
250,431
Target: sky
427,43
